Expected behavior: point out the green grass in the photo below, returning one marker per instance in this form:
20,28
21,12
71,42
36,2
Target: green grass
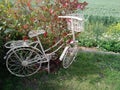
103,7
90,71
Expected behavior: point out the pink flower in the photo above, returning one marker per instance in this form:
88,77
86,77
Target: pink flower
51,11
81,5
78,6
25,26
65,5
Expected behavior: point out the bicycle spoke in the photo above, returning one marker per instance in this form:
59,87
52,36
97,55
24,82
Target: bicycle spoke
18,71
20,59
30,54
23,54
22,62
14,69
30,69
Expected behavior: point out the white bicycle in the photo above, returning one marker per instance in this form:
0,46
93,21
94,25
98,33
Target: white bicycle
25,58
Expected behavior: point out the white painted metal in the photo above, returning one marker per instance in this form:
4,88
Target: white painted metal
63,53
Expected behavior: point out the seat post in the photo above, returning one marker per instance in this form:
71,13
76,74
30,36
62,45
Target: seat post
41,46
48,65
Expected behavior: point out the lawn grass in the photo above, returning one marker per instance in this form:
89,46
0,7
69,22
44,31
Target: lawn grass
103,7
90,71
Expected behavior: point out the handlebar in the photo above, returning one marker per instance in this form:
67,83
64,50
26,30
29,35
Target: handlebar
71,17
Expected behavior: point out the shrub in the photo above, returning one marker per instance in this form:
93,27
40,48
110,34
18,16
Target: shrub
87,40
93,31
28,15
101,32
110,40
19,17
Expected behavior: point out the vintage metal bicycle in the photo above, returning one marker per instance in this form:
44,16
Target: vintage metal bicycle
25,59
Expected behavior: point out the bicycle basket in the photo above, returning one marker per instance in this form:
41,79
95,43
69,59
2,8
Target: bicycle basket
76,24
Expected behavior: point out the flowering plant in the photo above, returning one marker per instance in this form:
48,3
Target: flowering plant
26,15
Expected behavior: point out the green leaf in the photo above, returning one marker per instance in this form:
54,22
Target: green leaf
8,30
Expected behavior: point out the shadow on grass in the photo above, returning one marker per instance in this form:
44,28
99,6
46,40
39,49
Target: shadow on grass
88,66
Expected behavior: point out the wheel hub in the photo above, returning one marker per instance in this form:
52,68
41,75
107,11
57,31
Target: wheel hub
24,63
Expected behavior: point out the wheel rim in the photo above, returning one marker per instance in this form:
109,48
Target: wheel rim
69,56
23,62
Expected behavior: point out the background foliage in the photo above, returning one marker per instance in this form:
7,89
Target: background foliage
19,17
101,32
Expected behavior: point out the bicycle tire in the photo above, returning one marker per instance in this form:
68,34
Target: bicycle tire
69,56
17,62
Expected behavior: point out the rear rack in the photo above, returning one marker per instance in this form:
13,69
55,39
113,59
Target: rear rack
19,43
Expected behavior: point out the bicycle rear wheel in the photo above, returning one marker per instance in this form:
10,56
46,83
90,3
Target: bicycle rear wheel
69,56
23,62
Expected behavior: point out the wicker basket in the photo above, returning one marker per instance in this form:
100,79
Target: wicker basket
75,24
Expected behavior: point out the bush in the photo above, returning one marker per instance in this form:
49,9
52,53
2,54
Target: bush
87,40
103,32
110,40
19,17
26,15
93,31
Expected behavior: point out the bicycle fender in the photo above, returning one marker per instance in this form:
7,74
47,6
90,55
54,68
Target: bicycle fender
63,53
12,49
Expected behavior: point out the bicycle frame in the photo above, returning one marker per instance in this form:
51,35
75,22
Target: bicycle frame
33,54
73,35
38,42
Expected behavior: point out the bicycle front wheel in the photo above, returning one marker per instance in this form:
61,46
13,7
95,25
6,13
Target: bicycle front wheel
23,62
69,56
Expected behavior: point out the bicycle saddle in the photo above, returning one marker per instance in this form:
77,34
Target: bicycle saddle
34,33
